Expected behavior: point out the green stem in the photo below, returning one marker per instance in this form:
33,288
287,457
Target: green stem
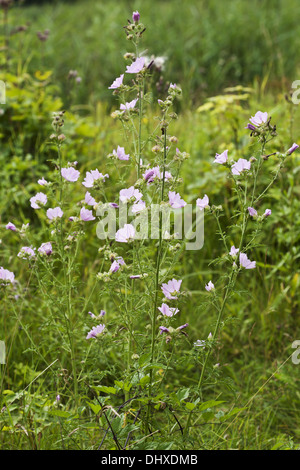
158,264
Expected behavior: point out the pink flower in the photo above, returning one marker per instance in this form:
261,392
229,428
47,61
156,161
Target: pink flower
125,234
138,207
234,251
222,157
240,166
120,153
95,331
151,173
115,266
136,16
167,311
6,275
45,249
210,286
89,200
26,253
182,327
171,289
267,212
92,177
259,118
202,203
245,262
43,182
55,213
130,195
155,172
175,200
70,174
11,226
116,83
173,86
292,149
86,215
39,198
252,212
136,66
129,105
163,329
101,314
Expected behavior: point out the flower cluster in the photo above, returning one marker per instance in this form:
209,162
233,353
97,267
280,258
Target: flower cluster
171,291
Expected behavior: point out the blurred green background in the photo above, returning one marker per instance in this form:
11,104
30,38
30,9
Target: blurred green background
209,44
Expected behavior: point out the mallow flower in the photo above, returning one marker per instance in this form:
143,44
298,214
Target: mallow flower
292,149
89,200
267,212
152,173
221,158
45,249
203,203
138,207
6,275
168,311
26,252
70,174
116,264
55,213
252,211
95,331
171,289
239,166
233,251
259,118
210,286
37,200
129,105
130,195
11,226
86,215
175,200
125,234
92,177
136,66
116,83
120,153
43,182
245,262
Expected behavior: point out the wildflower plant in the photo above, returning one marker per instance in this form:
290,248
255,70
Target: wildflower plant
144,329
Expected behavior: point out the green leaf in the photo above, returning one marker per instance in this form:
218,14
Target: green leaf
209,404
190,406
95,408
104,389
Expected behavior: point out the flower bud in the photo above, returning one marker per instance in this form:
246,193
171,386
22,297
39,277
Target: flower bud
136,16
